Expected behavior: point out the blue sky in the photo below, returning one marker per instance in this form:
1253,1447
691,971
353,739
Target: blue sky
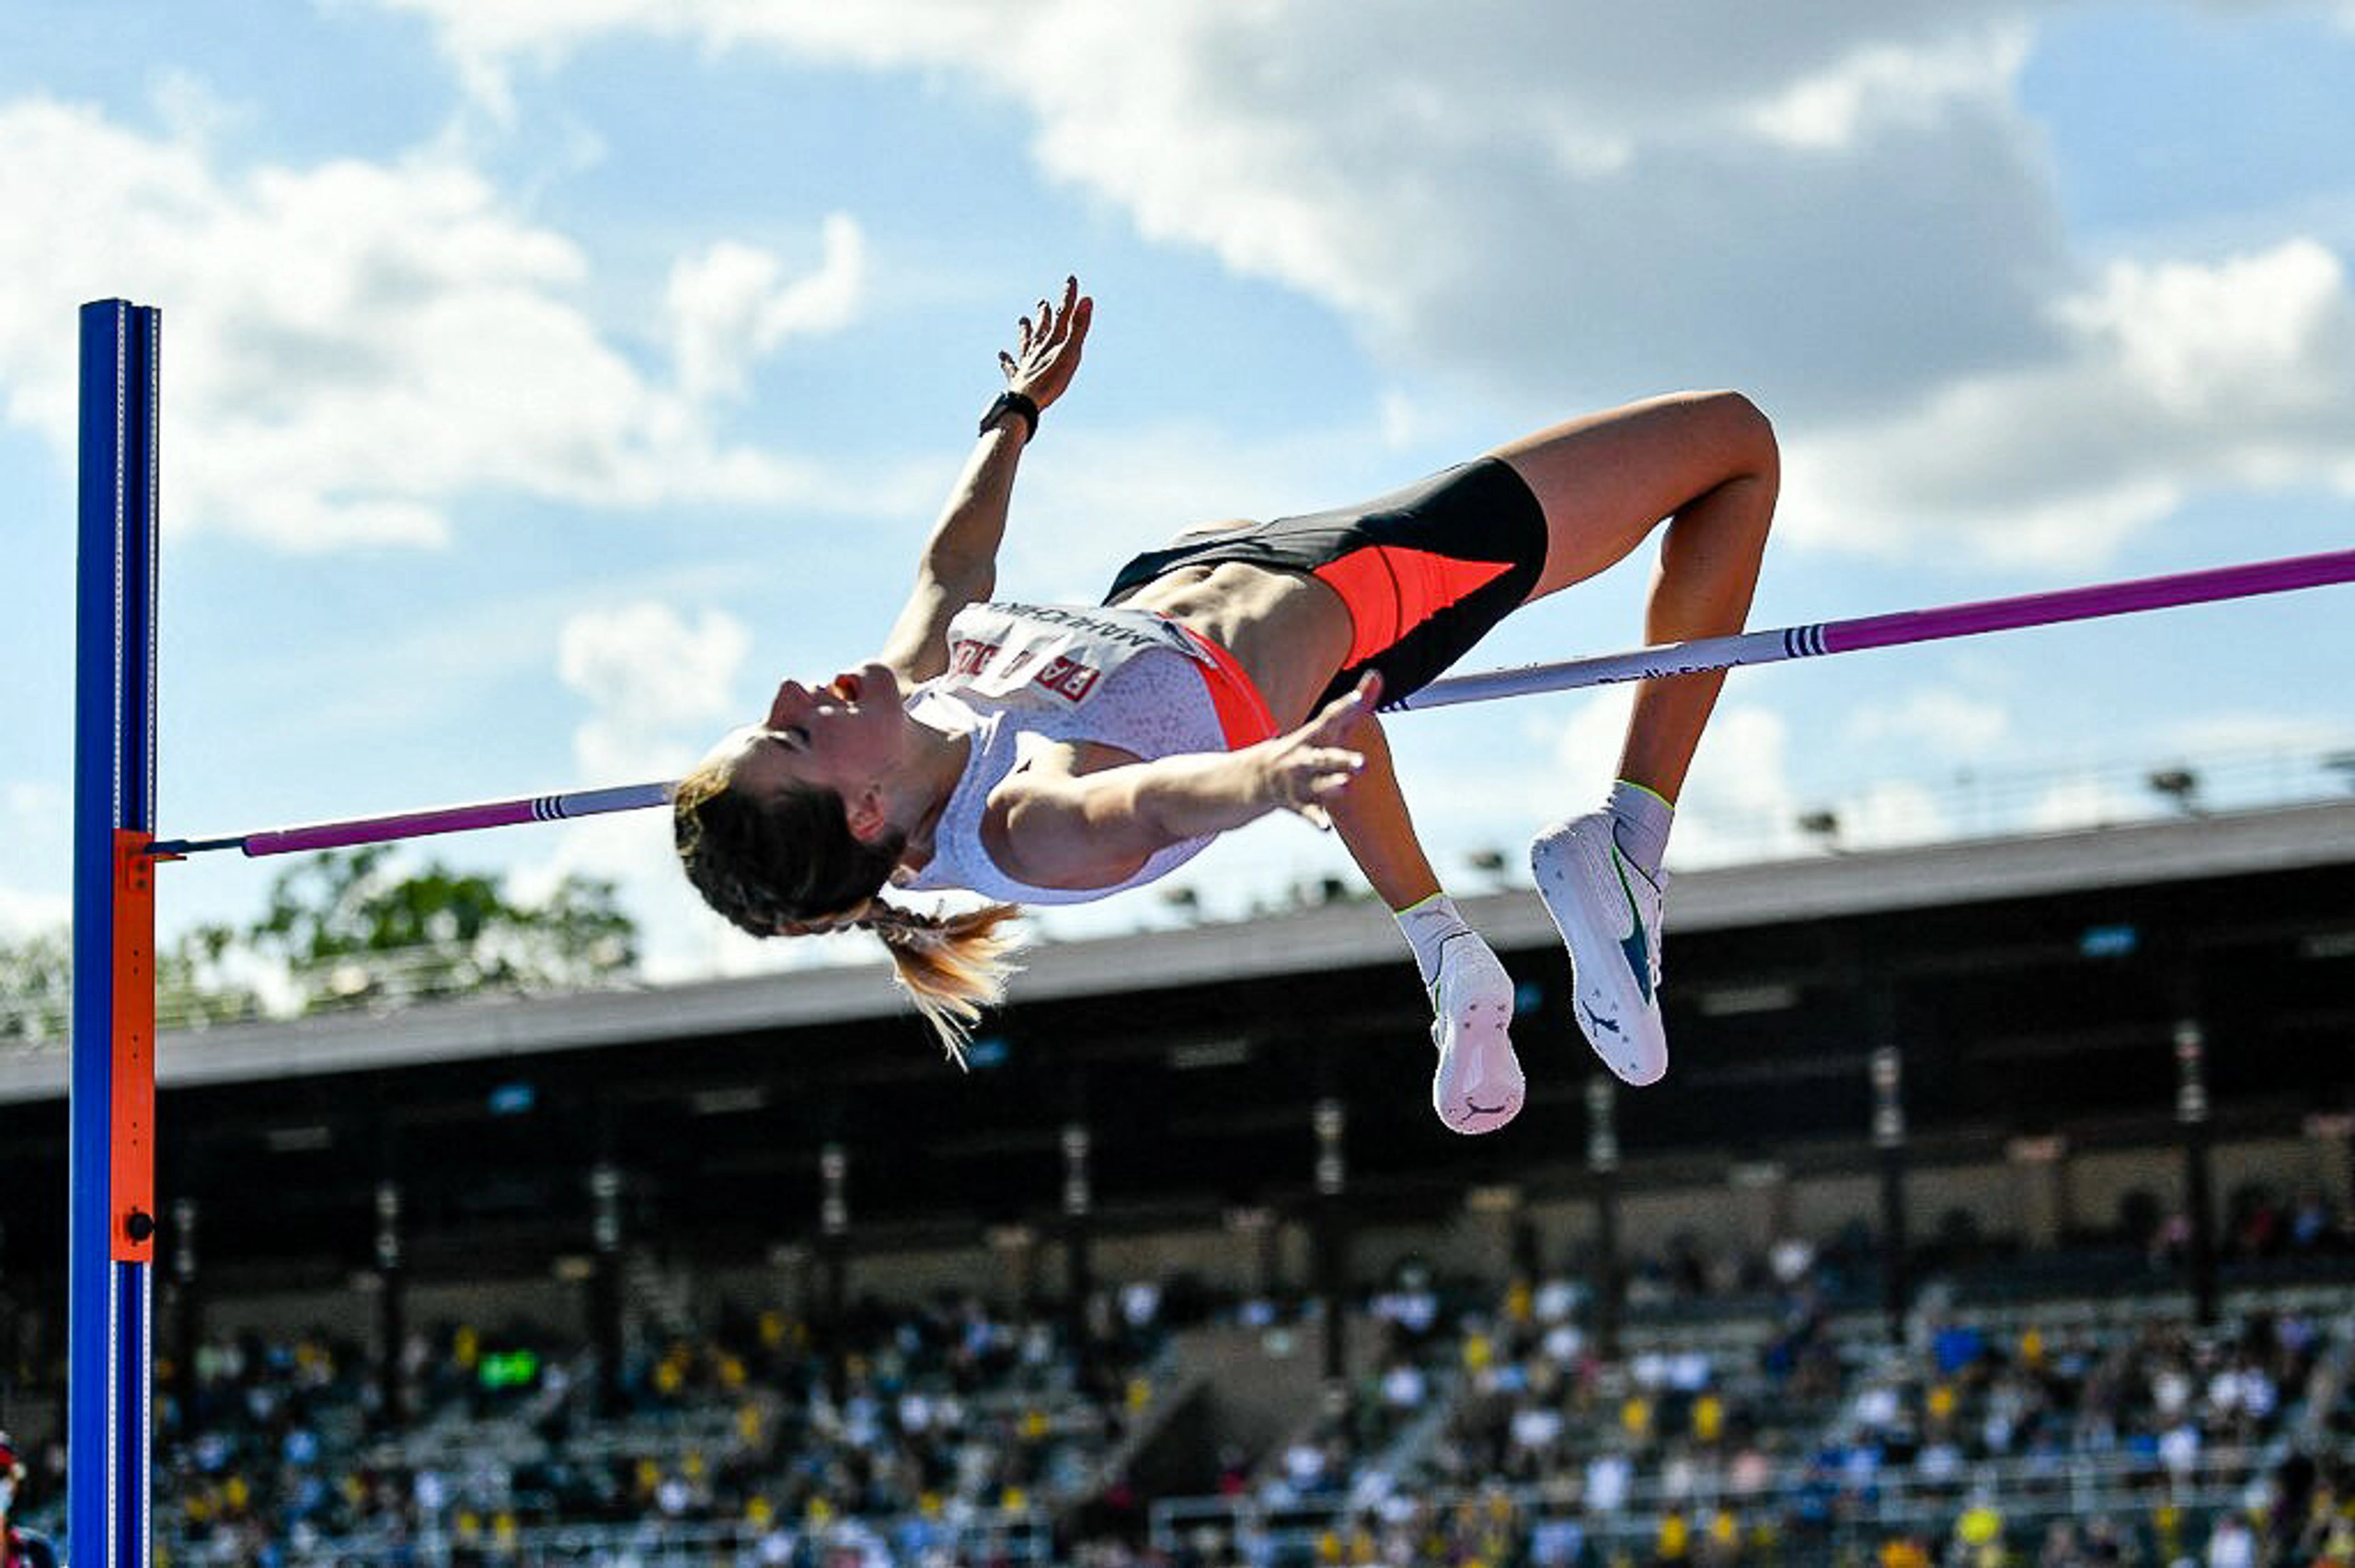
544,380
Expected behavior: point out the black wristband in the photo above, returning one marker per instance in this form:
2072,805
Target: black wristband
1018,402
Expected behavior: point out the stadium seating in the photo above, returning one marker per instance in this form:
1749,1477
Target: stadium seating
1753,1412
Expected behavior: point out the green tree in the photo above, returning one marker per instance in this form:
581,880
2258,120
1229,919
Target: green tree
195,987
348,930
341,929
37,986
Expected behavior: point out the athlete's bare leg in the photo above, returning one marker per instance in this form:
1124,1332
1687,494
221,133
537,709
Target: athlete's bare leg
1706,462
1477,1084
1371,817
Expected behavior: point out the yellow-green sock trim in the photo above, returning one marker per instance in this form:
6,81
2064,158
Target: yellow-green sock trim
1647,790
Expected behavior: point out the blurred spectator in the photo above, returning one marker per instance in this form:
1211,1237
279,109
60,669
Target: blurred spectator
2231,1543
19,1547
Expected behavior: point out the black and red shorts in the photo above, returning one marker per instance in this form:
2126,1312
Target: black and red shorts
1425,571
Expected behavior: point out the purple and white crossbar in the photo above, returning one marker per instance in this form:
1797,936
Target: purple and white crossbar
1668,658
1888,631
421,824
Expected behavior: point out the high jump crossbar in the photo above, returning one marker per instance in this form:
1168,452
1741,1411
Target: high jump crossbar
1905,626
1637,664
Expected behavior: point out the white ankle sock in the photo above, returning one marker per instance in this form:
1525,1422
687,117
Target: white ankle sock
1428,925
1641,819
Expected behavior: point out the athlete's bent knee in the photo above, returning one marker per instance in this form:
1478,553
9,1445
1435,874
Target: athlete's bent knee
1747,431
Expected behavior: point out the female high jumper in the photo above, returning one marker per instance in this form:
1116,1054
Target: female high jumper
1057,753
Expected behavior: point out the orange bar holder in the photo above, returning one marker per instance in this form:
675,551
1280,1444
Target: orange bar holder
133,1229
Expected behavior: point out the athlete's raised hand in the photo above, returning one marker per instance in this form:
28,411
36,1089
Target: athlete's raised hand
1046,346
1317,762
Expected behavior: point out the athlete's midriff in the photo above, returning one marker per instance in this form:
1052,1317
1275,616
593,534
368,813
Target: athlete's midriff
1287,630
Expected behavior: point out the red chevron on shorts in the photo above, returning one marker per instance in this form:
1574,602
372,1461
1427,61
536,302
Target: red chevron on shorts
1390,590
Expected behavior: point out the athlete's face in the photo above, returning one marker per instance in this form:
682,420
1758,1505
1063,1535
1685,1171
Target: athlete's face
843,735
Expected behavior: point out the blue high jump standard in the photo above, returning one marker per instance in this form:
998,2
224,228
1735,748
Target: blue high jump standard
109,1394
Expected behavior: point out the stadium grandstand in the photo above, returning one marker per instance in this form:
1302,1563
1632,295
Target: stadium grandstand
1995,1210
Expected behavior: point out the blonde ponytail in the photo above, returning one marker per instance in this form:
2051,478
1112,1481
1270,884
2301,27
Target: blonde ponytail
787,864
950,966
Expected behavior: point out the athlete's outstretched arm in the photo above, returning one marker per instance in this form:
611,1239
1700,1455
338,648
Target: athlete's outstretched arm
1058,828
959,561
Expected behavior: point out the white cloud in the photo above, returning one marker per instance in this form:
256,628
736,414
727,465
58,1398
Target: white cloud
2177,378
25,913
2260,758
1110,494
2086,801
1537,197
661,684
734,304
353,347
193,114
1941,722
1843,208
1569,201
1880,86
2206,734
1586,745
2256,338
37,821
1740,802
1892,813
38,806
657,682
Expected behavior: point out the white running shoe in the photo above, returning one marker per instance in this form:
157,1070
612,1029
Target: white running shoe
1609,914
1479,1086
